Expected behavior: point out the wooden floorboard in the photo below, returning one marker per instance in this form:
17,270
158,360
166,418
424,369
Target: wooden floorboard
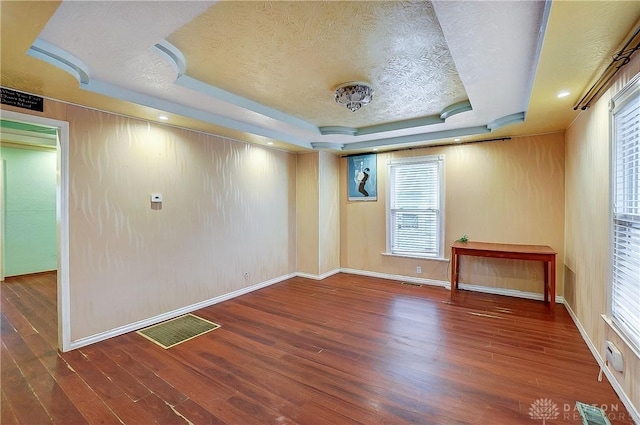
345,350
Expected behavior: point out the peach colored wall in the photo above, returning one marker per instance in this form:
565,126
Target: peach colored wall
588,228
307,218
229,208
329,213
226,211
504,191
318,212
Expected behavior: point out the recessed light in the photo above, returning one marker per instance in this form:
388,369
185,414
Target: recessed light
563,94
163,117
269,143
456,140
375,149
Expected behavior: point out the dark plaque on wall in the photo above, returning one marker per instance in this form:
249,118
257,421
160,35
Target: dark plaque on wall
21,100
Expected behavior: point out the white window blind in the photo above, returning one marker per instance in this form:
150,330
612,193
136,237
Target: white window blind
415,206
625,290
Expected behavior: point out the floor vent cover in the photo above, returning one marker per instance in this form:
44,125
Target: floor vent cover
175,331
592,415
412,284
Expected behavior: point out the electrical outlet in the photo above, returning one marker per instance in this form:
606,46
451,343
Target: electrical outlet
613,356
418,269
246,276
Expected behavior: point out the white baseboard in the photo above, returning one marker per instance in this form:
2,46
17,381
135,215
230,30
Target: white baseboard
463,286
317,276
397,277
506,292
78,343
635,415
202,304
444,284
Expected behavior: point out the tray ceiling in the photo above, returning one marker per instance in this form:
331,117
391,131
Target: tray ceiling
267,71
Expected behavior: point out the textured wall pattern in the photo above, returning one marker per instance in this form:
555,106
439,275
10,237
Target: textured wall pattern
509,191
588,228
30,211
329,212
307,217
226,211
317,213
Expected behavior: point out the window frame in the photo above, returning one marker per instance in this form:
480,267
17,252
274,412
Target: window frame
630,92
440,223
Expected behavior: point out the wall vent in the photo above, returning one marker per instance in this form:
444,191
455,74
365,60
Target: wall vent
411,284
592,415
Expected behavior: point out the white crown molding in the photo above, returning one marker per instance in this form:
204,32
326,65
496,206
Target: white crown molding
367,137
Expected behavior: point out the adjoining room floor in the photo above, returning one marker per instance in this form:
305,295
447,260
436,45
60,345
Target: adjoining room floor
345,350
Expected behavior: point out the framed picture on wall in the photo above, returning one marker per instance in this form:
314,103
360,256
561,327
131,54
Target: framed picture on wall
362,177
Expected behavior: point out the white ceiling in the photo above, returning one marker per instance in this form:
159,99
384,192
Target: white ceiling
440,69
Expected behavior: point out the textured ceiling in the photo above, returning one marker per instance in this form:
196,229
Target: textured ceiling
265,71
291,55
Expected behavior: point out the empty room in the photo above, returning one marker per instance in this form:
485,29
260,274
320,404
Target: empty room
320,212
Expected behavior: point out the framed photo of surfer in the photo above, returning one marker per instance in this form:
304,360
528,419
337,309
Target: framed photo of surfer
362,177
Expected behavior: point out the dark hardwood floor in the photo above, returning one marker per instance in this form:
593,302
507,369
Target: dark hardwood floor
345,350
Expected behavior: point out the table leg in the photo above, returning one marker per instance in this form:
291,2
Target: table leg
546,265
552,279
454,271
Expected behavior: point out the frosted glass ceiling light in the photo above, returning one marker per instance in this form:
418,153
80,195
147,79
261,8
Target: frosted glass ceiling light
354,95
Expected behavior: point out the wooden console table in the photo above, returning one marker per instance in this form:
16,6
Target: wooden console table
510,251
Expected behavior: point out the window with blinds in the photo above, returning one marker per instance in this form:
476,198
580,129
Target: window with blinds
625,265
414,213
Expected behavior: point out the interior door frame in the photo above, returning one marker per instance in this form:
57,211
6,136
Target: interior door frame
2,207
62,218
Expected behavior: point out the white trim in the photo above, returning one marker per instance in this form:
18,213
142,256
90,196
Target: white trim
631,346
392,163
635,415
28,138
412,279
28,147
474,288
62,212
74,66
2,230
506,292
627,94
415,257
62,207
317,276
92,339
414,159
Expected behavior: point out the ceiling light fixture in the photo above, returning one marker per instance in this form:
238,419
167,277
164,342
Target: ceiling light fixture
563,94
354,95
163,117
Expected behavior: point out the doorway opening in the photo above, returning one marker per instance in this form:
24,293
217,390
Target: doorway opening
31,240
